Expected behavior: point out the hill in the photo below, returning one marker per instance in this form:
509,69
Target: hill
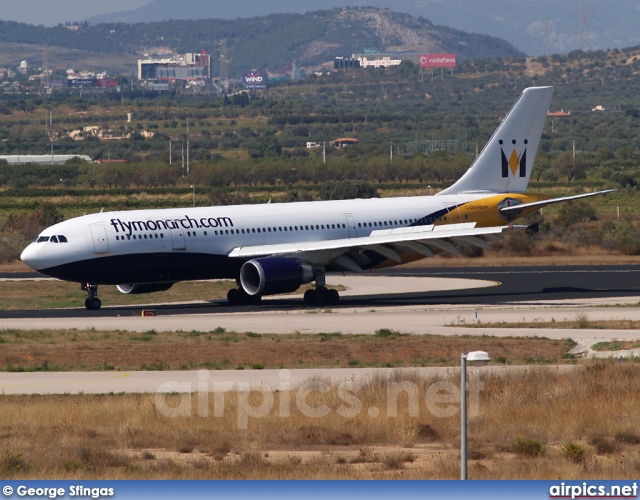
271,42
524,23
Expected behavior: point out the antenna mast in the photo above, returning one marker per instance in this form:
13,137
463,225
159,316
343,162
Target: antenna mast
224,70
584,33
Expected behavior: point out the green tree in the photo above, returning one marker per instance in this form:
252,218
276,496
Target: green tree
264,146
565,165
347,190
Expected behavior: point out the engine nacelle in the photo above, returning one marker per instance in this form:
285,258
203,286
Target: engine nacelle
139,289
273,275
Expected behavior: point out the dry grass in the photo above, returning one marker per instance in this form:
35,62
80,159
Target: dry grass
581,322
125,436
66,350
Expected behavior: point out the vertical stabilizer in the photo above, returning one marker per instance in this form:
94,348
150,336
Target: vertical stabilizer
506,161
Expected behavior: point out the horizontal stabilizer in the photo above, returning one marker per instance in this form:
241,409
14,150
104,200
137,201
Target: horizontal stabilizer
544,203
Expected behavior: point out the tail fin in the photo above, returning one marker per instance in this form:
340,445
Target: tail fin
506,161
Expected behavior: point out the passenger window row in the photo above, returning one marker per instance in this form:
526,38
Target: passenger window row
311,227
283,229
139,237
387,223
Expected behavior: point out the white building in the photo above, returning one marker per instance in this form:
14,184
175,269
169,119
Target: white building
187,67
42,159
383,62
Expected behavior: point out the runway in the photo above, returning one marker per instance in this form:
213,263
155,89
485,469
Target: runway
506,286
417,301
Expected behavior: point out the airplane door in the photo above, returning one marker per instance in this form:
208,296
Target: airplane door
179,241
99,236
351,225
455,216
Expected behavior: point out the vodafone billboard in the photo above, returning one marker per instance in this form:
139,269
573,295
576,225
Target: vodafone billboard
438,61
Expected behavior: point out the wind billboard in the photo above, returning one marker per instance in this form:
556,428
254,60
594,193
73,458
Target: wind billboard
255,80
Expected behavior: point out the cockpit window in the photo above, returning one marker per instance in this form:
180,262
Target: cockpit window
42,239
62,239
54,239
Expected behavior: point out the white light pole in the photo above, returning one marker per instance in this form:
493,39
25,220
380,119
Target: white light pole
193,188
479,358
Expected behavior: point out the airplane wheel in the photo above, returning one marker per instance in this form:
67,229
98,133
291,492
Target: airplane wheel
309,297
333,297
255,299
232,296
92,303
321,296
242,297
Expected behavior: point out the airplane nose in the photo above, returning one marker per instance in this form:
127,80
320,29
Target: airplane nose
30,257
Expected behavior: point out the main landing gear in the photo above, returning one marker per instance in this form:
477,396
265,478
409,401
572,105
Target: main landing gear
321,296
92,302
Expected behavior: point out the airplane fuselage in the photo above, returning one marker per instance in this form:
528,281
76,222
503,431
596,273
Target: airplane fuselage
169,245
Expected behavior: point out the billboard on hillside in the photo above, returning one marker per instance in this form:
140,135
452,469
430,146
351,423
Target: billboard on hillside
438,61
255,80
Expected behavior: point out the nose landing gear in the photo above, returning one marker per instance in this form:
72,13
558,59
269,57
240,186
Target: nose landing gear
92,302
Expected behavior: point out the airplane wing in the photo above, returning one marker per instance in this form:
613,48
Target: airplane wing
390,243
544,203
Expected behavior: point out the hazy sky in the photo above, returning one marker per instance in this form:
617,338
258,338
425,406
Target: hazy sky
52,12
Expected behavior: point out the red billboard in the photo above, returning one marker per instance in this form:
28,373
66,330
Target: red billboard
438,61
108,82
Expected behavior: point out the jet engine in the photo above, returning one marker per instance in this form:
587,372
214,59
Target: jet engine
273,275
139,289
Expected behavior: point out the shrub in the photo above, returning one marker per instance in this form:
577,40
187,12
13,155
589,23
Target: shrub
573,451
395,460
627,437
14,462
604,445
582,321
528,447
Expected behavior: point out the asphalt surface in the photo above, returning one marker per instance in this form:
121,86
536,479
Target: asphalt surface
533,284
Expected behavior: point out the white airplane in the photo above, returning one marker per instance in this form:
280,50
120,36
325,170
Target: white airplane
275,248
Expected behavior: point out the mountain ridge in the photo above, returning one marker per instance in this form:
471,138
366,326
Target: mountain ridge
270,42
533,26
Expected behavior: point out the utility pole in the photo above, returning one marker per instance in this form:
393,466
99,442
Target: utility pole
170,151
187,147
183,159
391,152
